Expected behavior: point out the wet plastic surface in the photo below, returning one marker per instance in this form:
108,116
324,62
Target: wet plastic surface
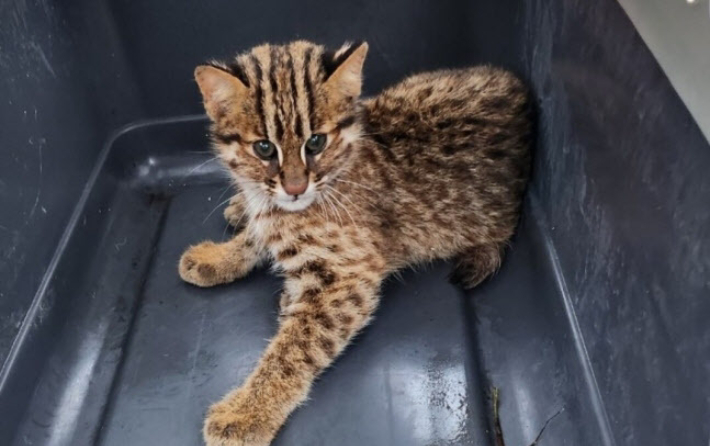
599,311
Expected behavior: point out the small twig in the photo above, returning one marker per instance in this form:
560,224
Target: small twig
495,394
544,426
496,418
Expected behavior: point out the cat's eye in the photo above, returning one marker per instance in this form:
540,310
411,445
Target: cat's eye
315,144
264,149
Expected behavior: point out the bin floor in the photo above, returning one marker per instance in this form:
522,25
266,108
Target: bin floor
142,354
402,382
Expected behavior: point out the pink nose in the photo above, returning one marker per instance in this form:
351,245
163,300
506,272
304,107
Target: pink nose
295,186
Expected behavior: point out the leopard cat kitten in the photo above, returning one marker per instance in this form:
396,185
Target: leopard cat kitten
338,192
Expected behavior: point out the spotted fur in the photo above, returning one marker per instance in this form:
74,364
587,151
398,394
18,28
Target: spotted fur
433,167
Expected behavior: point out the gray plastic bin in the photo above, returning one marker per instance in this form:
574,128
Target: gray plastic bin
601,311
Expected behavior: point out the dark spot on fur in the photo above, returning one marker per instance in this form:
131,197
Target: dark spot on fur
355,299
302,344
279,351
336,303
384,144
369,283
214,429
328,278
498,138
206,270
445,124
424,93
327,345
345,122
387,218
304,347
324,320
309,361
233,164
226,138
368,259
318,268
474,121
228,431
496,154
309,296
287,253
345,318
458,103
307,238
449,150
287,371
499,103
395,136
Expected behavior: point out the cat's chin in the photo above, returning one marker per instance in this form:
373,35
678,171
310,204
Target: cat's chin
295,206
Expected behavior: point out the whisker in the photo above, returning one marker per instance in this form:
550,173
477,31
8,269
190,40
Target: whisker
355,184
242,180
335,207
345,209
224,231
250,204
250,182
224,191
367,198
215,208
201,152
241,217
198,166
264,205
324,209
377,143
330,206
345,197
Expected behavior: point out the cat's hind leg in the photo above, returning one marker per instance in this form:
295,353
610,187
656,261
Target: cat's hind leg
208,263
473,265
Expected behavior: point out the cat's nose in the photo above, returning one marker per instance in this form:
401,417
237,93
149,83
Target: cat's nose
295,186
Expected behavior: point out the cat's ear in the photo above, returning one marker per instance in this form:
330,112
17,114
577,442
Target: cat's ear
219,89
346,79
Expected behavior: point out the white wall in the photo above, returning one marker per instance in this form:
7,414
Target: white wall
678,34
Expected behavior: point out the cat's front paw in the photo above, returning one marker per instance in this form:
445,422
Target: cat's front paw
227,426
204,265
